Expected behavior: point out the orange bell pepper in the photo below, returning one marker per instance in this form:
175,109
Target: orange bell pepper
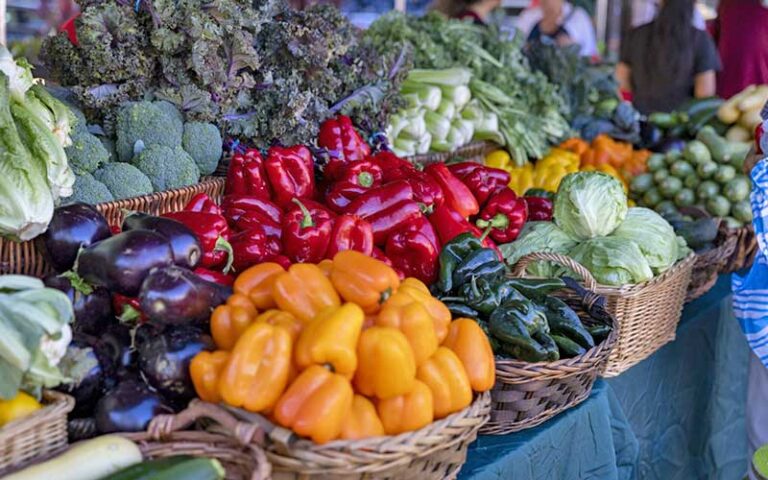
363,280
205,370
316,404
258,368
468,341
331,339
411,318
243,301
408,412
415,289
386,367
326,266
304,291
575,145
444,374
228,323
256,282
362,421
283,319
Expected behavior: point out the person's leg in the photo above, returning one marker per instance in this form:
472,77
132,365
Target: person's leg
757,407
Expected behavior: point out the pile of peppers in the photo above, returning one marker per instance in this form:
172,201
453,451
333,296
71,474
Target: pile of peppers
342,349
369,201
521,317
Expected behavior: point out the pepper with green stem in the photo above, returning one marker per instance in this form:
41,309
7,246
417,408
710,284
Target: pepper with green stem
523,332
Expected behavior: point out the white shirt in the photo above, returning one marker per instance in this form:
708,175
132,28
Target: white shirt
578,25
644,11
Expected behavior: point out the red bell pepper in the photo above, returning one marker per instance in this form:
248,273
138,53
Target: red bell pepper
505,213
307,232
282,260
364,173
341,194
386,208
291,172
203,203
247,175
128,309
350,232
212,232
356,179
394,167
482,181
258,209
457,196
426,190
251,219
215,277
253,246
449,224
379,254
539,209
414,250
339,137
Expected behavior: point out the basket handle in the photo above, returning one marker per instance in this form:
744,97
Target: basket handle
518,269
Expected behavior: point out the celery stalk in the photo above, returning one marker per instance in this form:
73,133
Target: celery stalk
441,146
437,125
459,95
447,108
412,101
415,127
428,95
466,128
404,147
423,144
473,111
447,77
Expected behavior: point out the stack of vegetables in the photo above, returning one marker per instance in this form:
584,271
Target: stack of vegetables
34,173
594,226
341,350
618,159
522,319
664,131
707,173
435,118
742,113
545,175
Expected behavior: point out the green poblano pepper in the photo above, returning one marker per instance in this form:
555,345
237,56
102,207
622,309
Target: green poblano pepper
536,288
568,348
452,255
521,328
565,322
479,263
486,294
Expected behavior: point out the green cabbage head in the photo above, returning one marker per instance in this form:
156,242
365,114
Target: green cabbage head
589,204
654,235
538,237
613,261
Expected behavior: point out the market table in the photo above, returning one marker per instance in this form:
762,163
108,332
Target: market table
677,415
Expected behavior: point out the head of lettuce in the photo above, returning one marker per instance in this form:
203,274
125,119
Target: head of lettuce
589,205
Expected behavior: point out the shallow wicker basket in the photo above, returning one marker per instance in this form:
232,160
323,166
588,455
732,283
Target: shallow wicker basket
528,394
475,151
218,435
25,258
648,312
745,251
435,452
37,436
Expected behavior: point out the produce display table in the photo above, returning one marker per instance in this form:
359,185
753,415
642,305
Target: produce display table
677,415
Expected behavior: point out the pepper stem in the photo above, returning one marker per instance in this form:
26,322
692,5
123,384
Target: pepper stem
499,221
306,221
78,282
365,179
223,245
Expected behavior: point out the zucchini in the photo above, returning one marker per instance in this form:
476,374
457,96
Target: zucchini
173,468
88,460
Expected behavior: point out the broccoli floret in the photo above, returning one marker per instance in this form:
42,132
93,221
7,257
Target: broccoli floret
89,190
86,153
202,141
109,145
167,168
123,180
173,113
146,123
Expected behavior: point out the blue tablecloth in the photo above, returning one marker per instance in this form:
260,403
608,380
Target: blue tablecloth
677,415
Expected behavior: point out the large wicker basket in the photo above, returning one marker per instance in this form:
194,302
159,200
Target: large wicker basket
435,452
745,251
648,312
37,436
475,151
528,394
218,435
24,257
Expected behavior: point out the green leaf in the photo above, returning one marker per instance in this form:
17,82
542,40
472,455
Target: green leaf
10,379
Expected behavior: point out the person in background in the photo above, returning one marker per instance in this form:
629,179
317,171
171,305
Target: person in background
644,11
741,32
477,11
562,21
668,61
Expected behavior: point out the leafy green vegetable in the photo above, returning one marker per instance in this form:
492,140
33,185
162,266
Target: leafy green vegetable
538,237
167,168
202,141
613,261
653,235
123,180
89,190
87,153
589,204
142,124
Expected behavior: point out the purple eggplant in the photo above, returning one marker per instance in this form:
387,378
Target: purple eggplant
121,263
91,385
184,243
164,361
92,305
128,407
176,296
72,227
117,340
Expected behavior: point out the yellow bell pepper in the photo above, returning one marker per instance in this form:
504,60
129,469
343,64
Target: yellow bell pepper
468,341
521,178
608,169
283,319
386,366
363,280
498,159
331,339
414,321
445,375
362,421
18,407
414,289
205,370
408,412
304,291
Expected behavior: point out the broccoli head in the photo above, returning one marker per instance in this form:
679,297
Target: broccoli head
146,123
167,168
86,154
202,141
109,145
123,180
89,190
173,113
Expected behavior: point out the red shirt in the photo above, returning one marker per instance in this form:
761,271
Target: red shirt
742,40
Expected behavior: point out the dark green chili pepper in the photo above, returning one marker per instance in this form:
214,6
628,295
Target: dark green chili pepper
452,254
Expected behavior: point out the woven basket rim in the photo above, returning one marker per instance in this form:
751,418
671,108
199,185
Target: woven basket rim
204,181
56,404
469,150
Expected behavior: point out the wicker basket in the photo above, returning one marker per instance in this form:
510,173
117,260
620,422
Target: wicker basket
745,251
528,394
648,312
475,152
435,452
24,257
235,444
37,436
709,264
